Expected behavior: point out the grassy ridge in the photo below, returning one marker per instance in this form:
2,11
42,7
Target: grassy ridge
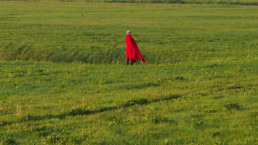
94,33
115,104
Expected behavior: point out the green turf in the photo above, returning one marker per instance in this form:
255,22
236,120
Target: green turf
199,86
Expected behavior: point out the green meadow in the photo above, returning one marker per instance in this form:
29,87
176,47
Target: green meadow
64,79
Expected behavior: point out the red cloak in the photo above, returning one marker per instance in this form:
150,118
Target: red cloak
132,50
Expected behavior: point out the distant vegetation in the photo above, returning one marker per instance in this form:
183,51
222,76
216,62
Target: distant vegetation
239,2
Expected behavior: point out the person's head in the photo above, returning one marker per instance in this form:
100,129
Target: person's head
129,32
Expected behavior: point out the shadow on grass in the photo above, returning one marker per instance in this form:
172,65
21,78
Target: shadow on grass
139,86
81,111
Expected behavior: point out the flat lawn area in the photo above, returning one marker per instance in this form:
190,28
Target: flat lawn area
63,79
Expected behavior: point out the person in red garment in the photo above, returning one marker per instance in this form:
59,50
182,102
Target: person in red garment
132,50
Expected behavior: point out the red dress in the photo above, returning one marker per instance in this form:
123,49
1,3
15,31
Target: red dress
132,50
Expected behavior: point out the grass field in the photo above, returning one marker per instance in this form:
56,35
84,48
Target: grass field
63,78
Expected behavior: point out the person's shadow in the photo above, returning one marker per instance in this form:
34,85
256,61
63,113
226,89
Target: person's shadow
81,111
